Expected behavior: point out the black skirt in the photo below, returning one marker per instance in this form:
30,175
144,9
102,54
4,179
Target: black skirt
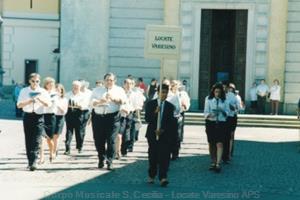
59,125
50,122
215,131
232,123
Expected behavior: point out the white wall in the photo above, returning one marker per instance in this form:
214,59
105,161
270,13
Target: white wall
128,21
28,39
84,38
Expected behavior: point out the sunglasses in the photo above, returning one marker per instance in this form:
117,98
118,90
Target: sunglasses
32,81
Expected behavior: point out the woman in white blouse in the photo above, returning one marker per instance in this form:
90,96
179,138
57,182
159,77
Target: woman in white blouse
49,119
61,111
275,97
215,112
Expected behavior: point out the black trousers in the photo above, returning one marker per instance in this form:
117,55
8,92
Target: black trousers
133,132
73,123
85,118
33,128
177,140
125,130
261,103
159,159
231,124
105,129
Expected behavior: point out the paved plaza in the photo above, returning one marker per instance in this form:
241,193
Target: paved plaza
265,166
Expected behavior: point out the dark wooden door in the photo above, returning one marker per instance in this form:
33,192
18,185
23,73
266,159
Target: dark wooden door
222,50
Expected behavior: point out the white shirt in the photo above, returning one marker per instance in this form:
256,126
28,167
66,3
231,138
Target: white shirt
116,92
36,107
185,100
86,99
174,99
262,90
61,103
275,92
233,102
212,105
253,94
51,109
77,99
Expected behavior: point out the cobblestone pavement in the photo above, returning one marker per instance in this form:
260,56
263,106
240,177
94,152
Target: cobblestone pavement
265,166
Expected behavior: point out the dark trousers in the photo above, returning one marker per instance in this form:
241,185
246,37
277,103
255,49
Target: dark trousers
33,129
125,130
73,123
133,133
105,129
159,159
261,103
19,111
177,140
85,118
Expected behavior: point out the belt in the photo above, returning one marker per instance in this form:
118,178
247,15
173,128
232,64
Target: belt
107,114
32,114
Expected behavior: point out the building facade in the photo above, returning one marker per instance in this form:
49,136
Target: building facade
241,41
29,34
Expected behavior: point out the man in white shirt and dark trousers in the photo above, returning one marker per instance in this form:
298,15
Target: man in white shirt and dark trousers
262,93
86,110
74,117
33,99
106,102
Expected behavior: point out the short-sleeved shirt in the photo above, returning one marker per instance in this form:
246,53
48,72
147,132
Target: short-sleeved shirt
35,107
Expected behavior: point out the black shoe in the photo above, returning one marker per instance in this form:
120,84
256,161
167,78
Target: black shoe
110,166
32,167
130,150
67,153
218,168
164,183
174,158
150,180
79,150
100,164
212,166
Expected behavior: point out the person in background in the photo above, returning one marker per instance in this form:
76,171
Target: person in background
16,94
142,85
74,117
152,88
262,93
85,109
99,83
253,98
61,111
275,97
33,99
216,110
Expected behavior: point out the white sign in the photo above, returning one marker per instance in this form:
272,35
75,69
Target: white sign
163,41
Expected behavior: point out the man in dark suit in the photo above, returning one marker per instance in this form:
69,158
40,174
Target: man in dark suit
160,139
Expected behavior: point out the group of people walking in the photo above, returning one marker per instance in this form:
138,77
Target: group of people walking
114,113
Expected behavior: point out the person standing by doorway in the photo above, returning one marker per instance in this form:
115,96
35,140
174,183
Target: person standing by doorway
33,99
262,93
275,97
253,99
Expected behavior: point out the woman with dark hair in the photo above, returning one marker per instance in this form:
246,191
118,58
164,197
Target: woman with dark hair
215,112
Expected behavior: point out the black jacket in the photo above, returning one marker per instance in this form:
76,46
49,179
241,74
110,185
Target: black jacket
168,123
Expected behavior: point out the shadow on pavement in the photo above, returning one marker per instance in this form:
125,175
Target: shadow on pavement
259,170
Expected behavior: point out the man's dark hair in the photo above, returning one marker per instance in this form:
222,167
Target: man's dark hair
163,87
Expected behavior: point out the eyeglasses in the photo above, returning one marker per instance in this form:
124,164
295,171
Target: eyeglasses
35,81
